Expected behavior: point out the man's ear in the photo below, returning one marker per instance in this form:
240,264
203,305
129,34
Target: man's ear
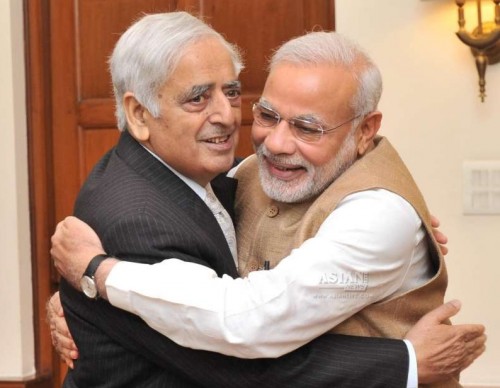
367,131
136,118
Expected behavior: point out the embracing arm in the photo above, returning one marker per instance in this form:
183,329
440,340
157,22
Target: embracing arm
472,335
442,351
271,313
327,361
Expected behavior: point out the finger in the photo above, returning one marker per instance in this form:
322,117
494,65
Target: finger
440,237
471,357
53,337
69,363
72,219
55,304
475,343
434,221
64,344
471,331
74,354
472,350
56,231
443,312
60,312
65,347
61,327
72,222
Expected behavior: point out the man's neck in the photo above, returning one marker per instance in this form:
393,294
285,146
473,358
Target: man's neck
196,186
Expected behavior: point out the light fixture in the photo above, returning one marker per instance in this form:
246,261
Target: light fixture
484,41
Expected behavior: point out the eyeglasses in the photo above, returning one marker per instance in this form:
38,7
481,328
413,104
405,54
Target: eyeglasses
306,130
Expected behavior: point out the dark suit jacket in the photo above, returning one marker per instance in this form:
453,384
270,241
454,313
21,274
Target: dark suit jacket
145,213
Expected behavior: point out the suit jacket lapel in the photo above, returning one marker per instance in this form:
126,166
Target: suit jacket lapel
177,192
225,190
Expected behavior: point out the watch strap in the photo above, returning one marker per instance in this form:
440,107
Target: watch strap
94,264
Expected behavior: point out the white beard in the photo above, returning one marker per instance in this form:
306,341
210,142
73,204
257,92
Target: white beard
316,179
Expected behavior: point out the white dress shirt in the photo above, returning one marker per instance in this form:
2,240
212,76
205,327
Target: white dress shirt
373,235
221,215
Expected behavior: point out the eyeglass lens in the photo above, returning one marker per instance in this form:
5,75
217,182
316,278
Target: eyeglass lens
302,129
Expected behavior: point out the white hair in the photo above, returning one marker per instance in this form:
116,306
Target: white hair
322,47
147,53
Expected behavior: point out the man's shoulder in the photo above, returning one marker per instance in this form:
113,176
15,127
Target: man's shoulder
239,164
115,190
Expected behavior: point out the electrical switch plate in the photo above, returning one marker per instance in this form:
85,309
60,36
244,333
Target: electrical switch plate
481,187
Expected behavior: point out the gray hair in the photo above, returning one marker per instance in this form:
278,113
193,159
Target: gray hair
321,47
147,54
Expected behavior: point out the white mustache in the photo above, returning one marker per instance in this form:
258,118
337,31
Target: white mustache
295,160
217,131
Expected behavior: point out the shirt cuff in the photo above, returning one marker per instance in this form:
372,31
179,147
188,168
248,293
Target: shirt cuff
412,369
117,286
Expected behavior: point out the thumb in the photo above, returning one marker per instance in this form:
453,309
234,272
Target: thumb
443,312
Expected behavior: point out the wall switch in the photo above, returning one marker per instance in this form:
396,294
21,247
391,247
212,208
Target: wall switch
481,187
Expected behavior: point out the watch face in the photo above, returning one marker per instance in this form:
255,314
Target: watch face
88,287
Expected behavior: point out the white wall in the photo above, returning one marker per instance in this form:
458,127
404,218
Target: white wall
16,325
433,116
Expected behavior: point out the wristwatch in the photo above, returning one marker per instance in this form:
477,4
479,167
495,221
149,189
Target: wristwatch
87,282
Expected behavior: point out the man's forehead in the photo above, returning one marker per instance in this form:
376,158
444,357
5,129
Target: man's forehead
321,90
203,66
205,54
305,113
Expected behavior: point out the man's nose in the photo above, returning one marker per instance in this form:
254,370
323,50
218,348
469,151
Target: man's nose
280,139
222,112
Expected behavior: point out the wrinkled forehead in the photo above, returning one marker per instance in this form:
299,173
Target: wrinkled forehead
325,90
204,62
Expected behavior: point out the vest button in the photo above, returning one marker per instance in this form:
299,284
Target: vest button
272,211
253,265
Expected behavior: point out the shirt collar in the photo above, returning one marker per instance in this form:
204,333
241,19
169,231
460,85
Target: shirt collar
198,189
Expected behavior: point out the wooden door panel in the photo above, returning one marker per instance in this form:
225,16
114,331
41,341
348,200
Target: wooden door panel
99,24
94,144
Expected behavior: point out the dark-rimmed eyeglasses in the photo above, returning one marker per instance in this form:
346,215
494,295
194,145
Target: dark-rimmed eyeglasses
306,130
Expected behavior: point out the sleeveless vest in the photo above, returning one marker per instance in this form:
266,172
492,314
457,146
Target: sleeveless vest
268,230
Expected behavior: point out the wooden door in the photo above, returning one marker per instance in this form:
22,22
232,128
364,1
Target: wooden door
72,119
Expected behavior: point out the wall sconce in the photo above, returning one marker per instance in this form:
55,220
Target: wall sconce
484,41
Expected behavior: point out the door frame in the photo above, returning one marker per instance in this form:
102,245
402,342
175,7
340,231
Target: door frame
37,54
